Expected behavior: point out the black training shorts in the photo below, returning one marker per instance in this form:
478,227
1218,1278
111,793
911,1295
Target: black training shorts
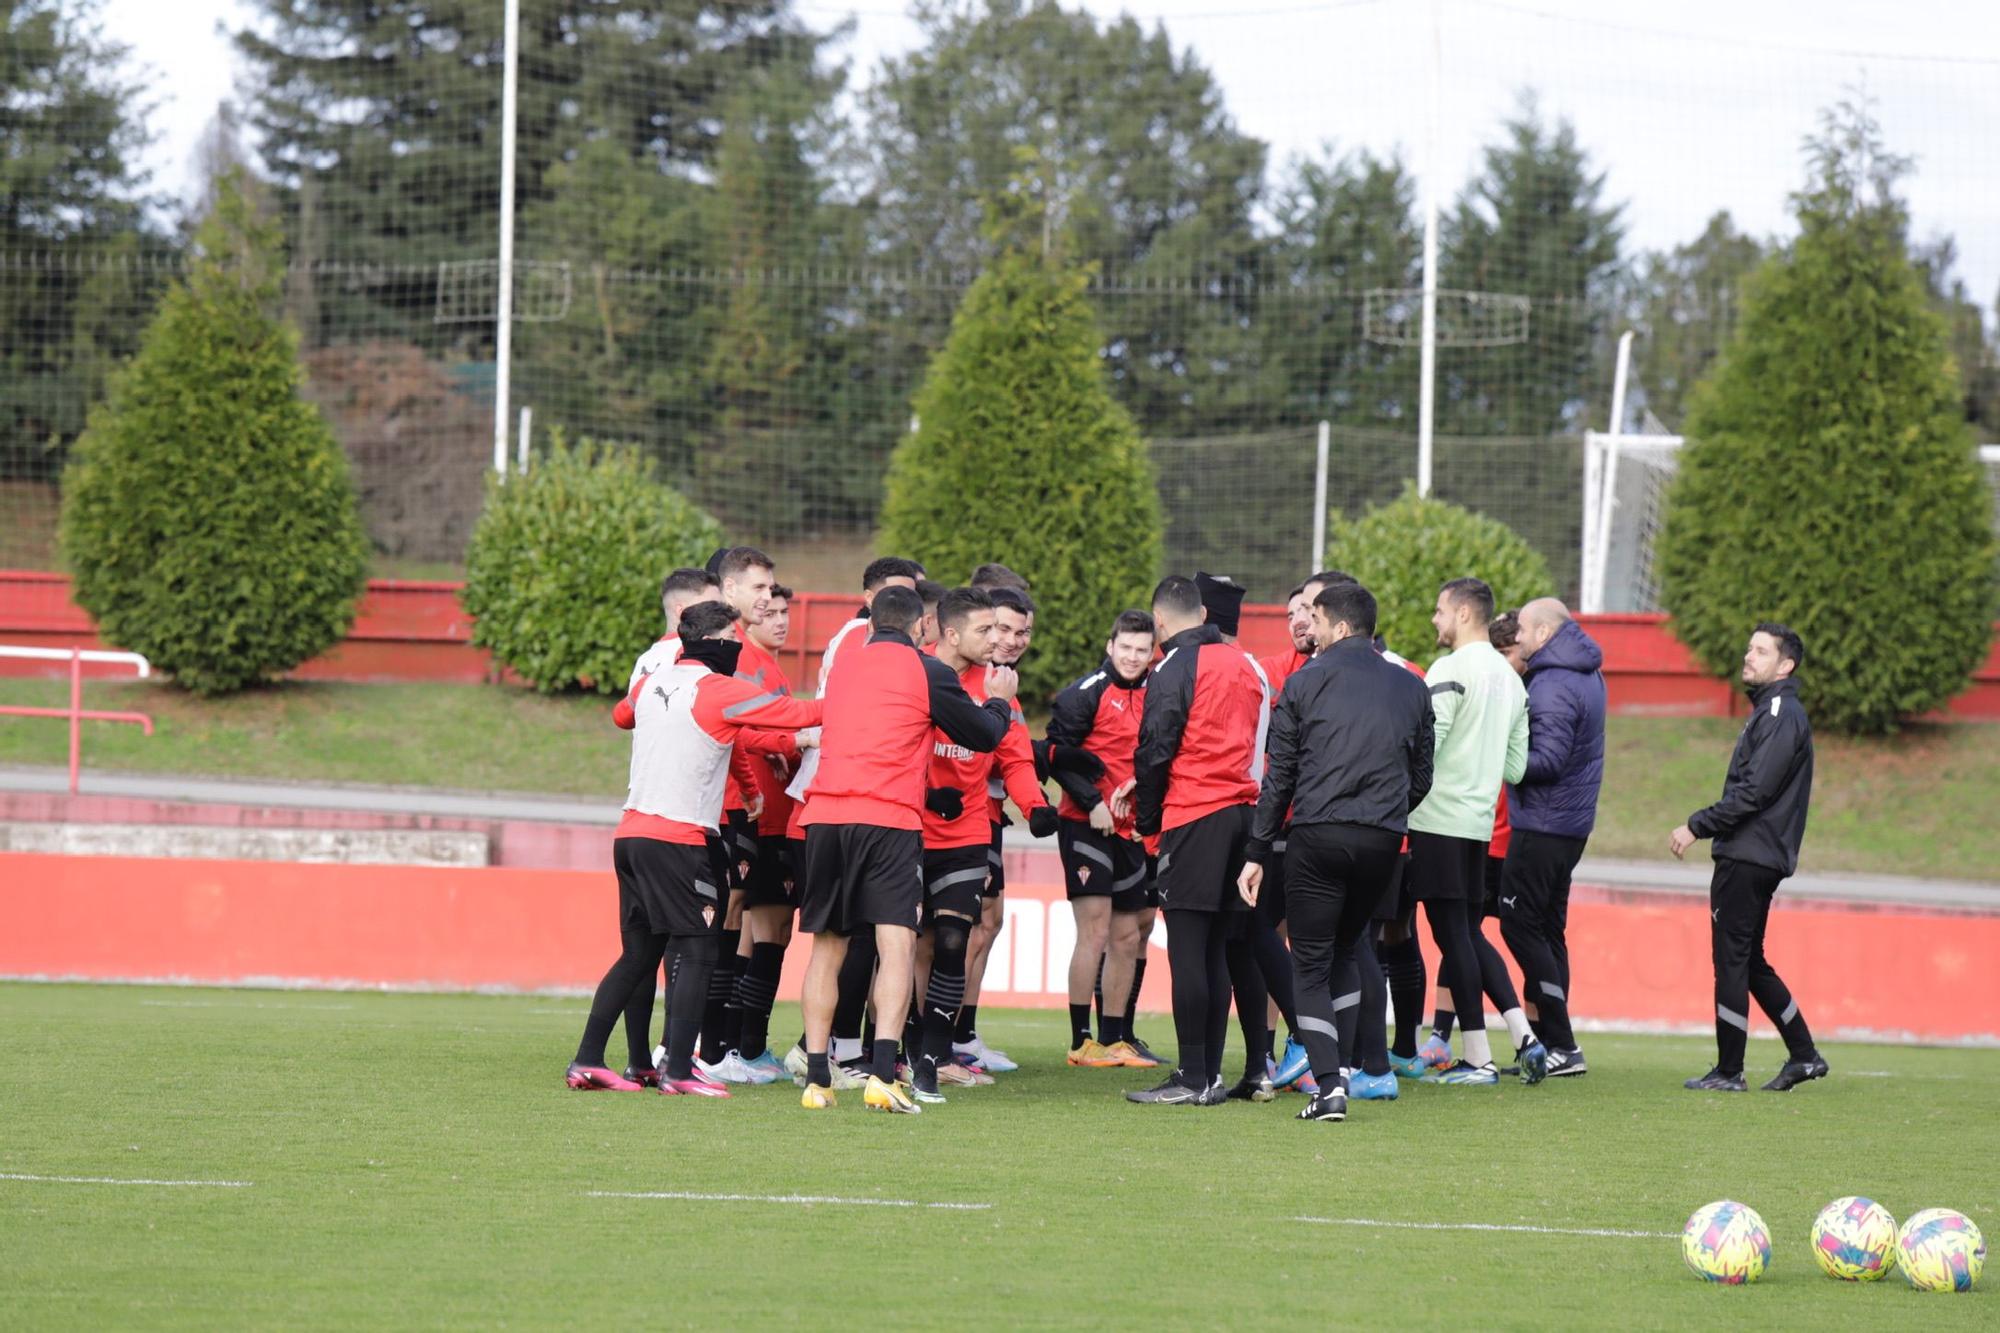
1100,865
669,886
1446,868
860,875
773,878
1396,903
1199,862
954,879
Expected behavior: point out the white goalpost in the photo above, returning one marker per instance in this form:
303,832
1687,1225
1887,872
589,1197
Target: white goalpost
1625,480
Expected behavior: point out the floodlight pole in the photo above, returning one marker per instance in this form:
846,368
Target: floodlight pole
503,332
1427,374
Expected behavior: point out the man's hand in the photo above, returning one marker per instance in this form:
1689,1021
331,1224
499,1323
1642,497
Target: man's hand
753,805
1042,821
1001,682
1121,798
945,802
1249,882
808,737
1680,840
1101,818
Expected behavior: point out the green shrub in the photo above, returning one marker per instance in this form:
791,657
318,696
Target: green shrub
1021,455
208,517
1829,480
563,573
1406,550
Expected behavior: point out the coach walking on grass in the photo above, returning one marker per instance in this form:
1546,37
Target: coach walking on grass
1757,826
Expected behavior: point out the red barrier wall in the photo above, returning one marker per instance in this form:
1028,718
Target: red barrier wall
1640,959
408,630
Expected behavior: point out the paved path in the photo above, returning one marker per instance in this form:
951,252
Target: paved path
1690,877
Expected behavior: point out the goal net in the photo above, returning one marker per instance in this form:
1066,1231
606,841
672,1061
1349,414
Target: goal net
1625,489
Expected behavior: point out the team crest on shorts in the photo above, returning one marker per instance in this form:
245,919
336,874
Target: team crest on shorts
707,915
1083,875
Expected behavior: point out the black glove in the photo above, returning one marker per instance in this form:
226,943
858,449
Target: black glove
1076,760
1042,821
945,802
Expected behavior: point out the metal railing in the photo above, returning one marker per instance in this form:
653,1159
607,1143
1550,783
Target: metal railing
76,712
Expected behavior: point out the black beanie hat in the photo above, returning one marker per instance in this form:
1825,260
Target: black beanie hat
1222,596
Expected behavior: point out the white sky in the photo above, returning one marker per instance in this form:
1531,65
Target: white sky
1689,107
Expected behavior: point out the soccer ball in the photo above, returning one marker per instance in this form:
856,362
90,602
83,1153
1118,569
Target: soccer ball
1854,1240
1940,1250
1726,1242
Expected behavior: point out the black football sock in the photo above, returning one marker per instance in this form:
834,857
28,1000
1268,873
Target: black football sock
967,1027
857,974
1371,1042
1138,980
721,985
818,1071
1403,971
696,954
883,1065
756,990
1097,987
946,989
1079,1025
1442,1023
1111,1031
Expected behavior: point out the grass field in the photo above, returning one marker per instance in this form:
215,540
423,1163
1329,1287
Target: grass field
415,1160
1916,805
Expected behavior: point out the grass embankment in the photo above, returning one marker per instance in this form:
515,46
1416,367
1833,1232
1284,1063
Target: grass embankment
1917,805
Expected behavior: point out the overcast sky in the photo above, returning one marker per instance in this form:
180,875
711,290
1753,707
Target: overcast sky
1688,107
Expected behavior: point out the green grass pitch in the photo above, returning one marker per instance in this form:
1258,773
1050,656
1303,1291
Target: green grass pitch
416,1160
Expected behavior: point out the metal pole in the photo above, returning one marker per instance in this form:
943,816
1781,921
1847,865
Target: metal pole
1589,582
503,333
1319,496
521,447
1433,171
1607,502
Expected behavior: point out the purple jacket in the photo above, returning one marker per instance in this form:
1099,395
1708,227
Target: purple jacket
1558,793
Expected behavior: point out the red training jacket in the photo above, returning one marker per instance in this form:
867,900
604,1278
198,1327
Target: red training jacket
1201,738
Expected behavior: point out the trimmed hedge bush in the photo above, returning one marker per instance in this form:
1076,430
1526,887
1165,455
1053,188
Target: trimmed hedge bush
1021,455
1406,550
1829,480
563,572
208,518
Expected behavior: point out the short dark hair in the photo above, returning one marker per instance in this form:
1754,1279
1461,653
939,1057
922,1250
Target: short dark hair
958,603
990,576
883,568
687,581
930,590
1294,593
1011,598
737,559
780,593
896,609
1351,603
1326,578
705,620
1504,630
1179,594
1474,593
1791,648
1134,622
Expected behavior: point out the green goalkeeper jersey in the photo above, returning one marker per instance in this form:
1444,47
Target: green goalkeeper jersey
1481,741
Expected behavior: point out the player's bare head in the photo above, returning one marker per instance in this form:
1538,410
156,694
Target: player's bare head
1013,623
965,624
1540,619
1130,646
929,590
1343,611
990,576
685,587
1464,610
746,575
890,571
1176,605
776,626
896,609
1775,652
709,620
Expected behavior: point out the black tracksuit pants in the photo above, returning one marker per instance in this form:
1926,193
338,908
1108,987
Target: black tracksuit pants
1739,909
1335,876
1534,920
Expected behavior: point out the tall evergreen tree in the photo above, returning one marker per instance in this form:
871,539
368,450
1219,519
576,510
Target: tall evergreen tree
1022,455
1829,480
1533,223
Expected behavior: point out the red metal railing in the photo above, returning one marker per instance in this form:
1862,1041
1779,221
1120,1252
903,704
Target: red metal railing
76,712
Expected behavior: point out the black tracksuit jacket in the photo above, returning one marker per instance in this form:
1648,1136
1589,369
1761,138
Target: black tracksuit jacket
1350,743
1761,818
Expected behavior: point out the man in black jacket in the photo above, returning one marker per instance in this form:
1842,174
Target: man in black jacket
1349,755
1757,826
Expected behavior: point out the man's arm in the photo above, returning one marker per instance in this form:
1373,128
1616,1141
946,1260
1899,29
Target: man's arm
1773,755
1168,699
1016,761
1281,774
1423,755
726,707
1446,695
978,727
624,713
1517,745
1071,721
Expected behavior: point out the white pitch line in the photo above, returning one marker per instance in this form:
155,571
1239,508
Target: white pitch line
108,1180
1486,1226
782,1198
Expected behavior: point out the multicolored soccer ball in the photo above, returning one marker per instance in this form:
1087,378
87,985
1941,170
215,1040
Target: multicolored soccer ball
1854,1239
1940,1250
1726,1242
